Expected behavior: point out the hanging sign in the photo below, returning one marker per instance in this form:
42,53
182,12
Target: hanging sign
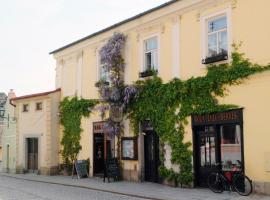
116,113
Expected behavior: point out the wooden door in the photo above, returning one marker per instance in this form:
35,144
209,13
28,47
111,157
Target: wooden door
151,155
32,157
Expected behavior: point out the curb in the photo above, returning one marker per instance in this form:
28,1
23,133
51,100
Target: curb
83,187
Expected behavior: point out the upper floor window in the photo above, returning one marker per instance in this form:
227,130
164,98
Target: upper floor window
39,106
103,72
151,54
217,39
25,108
217,36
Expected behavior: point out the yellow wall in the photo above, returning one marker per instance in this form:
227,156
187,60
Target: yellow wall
248,21
43,125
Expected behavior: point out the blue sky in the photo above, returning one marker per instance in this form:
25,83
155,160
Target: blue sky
30,29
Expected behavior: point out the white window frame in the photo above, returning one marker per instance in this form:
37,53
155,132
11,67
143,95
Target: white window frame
99,66
152,52
142,51
204,29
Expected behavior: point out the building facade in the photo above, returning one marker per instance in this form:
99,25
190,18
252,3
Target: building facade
9,136
3,101
178,39
37,132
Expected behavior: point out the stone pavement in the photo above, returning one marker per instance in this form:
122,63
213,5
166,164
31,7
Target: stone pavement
143,190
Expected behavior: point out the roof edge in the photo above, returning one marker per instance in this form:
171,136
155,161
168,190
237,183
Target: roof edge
35,95
115,25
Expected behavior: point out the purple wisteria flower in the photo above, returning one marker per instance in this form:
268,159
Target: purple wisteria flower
111,128
111,52
129,93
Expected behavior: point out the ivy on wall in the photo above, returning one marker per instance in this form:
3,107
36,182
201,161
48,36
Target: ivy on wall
72,110
168,105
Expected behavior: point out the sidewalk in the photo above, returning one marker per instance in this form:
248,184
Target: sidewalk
143,190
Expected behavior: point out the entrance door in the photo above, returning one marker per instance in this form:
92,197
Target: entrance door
98,154
32,154
151,155
206,156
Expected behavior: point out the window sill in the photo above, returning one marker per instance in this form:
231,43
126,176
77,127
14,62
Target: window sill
147,73
216,58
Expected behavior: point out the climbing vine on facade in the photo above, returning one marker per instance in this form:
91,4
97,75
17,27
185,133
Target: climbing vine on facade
72,110
168,106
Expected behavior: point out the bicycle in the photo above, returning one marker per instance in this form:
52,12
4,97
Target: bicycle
236,181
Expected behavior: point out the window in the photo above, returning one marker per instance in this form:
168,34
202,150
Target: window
151,54
39,106
103,72
25,107
217,39
230,144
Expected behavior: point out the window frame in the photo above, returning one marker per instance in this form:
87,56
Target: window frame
99,68
152,52
36,106
217,34
204,35
141,52
23,107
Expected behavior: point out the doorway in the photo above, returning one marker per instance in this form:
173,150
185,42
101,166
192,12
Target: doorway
7,167
207,155
99,156
151,156
32,154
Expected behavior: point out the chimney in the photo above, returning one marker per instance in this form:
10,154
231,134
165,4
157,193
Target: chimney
11,94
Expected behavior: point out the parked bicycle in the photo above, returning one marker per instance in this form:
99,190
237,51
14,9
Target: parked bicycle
234,180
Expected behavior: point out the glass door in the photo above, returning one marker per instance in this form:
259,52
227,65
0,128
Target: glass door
207,155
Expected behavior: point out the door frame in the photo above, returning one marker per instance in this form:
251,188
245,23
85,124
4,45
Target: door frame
217,124
94,150
196,148
156,179
38,137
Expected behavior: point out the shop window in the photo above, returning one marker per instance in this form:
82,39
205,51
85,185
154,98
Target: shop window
25,108
230,145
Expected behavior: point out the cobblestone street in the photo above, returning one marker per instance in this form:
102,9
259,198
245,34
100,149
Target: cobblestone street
14,189
34,187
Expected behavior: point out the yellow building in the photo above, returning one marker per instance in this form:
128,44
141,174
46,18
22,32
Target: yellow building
178,39
37,134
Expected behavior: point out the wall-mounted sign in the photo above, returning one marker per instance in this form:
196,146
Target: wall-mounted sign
98,127
116,113
129,148
227,117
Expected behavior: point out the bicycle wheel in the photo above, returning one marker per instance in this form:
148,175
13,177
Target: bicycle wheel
242,185
215,183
